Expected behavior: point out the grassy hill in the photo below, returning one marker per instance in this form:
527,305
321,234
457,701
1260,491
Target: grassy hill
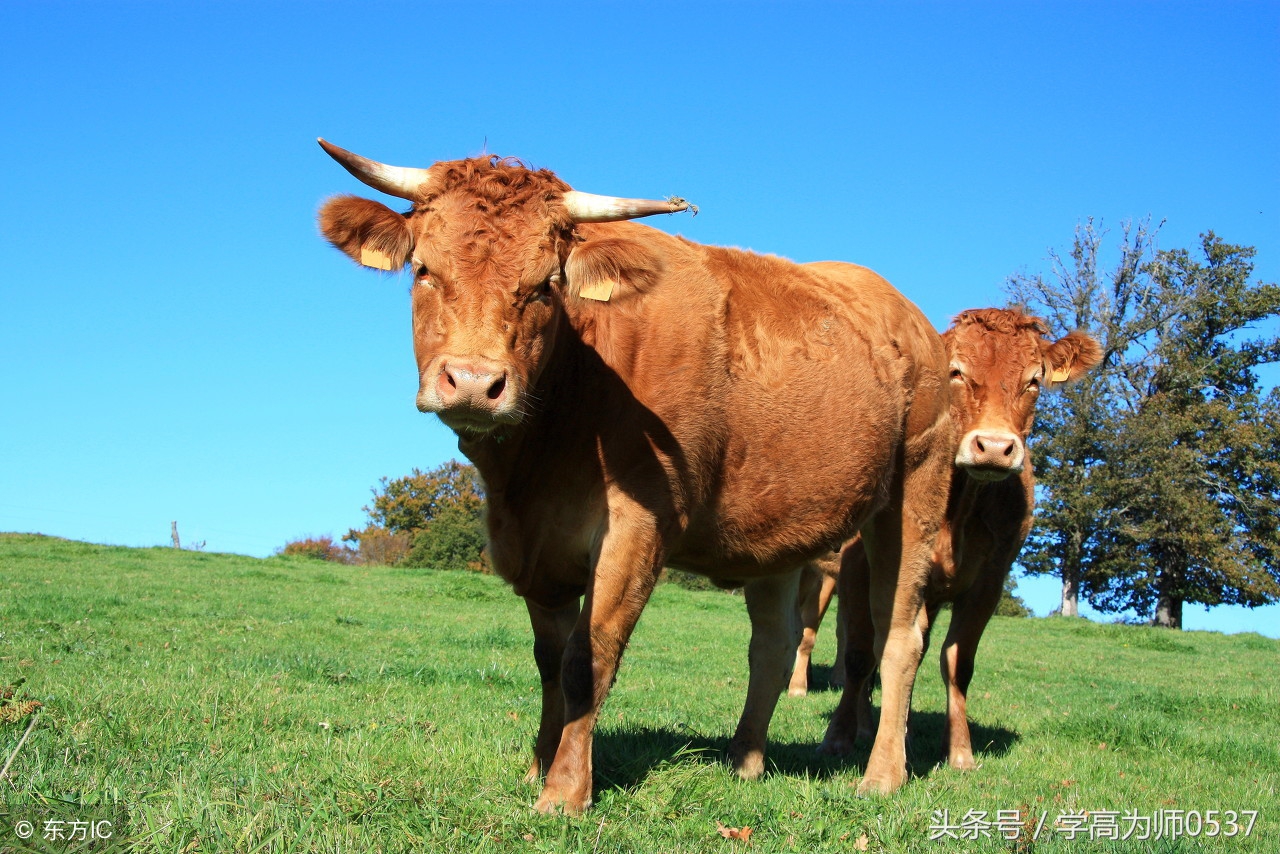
225,703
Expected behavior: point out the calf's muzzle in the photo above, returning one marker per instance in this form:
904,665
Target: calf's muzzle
991,454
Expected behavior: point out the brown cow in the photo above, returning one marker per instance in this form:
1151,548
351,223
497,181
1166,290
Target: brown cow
634,400
1000,361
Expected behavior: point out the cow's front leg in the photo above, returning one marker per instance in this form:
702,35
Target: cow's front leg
551,628
624,577
771,603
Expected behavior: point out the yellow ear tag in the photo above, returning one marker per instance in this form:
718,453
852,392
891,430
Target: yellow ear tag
1060,375
601,290
375,258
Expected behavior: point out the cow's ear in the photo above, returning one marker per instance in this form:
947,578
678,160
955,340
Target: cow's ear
1072,357
611,269
369,232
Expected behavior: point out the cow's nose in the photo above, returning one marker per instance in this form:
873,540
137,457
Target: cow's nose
472,384
994,448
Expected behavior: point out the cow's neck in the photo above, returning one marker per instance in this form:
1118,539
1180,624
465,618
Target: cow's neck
512,457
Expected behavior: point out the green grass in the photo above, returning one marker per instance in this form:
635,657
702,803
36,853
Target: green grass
233,704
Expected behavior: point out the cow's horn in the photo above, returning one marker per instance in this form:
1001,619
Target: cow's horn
588,207
399,181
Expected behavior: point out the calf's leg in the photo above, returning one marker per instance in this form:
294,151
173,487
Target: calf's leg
969,617
814,597
852,720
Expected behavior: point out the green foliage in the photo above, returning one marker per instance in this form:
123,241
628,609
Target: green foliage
427,519
1160,474
454,539
230,704
1011,604
687,580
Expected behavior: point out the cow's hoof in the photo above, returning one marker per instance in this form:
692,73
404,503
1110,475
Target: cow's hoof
554,801
748,763
797,692
962,762
551,806
879,785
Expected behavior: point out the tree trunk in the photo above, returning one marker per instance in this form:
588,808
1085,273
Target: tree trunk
1070,595
1168,612
1071,578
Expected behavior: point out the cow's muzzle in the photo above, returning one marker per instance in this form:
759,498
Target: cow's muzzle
991,454
469,394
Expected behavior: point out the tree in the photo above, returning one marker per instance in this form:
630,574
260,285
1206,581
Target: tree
318,548
434,517
1011,604
1159,476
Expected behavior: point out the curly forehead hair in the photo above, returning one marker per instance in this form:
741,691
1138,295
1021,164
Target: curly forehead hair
498,185
1007,321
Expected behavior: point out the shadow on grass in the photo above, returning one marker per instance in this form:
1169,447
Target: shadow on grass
624,758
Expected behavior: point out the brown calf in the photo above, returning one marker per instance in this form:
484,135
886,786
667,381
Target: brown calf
999,362
634,400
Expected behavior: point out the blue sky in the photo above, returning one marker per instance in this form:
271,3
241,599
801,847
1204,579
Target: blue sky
176,342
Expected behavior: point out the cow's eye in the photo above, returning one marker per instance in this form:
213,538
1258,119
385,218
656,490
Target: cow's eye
423,275
1034,384
957,374
543,291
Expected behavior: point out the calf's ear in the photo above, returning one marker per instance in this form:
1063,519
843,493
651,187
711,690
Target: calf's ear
1072,357
370,233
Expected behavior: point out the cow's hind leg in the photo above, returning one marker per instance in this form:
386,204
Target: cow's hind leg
900,548
774,633
896,606
551,628
969,617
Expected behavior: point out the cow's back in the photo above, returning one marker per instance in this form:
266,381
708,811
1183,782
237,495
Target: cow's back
789,394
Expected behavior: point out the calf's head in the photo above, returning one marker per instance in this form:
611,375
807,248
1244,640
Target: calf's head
488,242
1000,361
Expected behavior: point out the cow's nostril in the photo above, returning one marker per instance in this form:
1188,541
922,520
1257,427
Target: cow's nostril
498,387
